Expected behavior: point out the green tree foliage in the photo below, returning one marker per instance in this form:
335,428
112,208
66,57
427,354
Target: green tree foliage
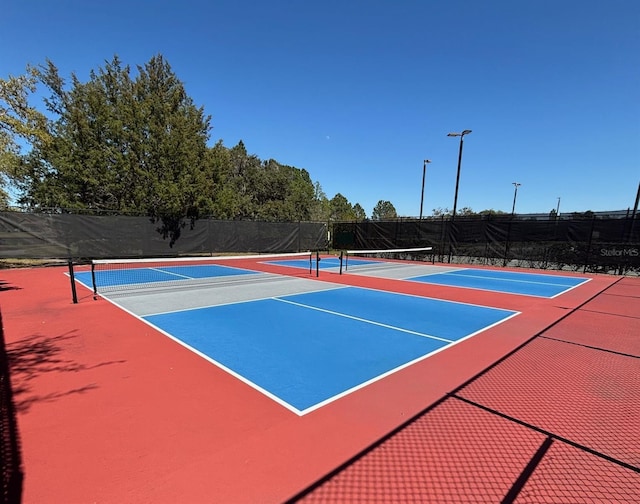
320,207
244,187
20,124
465,212
441,212
468,212
120,144
341,209
384,210
337,208
279,192
359,212
133,142
491,212
583,215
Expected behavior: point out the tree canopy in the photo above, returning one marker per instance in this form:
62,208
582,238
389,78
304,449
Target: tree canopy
133,142
384,210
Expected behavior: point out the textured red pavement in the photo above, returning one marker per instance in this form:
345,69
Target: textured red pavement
569,475
112,411
600,330
587,396
575,386
450,454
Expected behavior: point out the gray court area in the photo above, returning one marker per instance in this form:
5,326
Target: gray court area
218,291
397,271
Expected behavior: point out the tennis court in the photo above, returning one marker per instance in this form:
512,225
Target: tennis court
269,379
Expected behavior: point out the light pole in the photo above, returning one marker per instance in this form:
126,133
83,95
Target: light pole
455,198
558,208
515,195
424,172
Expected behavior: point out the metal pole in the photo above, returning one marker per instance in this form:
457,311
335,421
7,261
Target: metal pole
93,280
558,208
424,172
515,195
455,197
633,215
635,206
74,295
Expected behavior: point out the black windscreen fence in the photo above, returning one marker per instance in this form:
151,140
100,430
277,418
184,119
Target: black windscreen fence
598,245
70,236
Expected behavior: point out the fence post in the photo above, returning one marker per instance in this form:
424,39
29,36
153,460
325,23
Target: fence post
586,257
441,244
74,295
506,244
450,224
485,234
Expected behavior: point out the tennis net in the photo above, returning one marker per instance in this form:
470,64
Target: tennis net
381,257
121,276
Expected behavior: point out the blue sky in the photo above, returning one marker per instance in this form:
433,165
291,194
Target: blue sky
360,92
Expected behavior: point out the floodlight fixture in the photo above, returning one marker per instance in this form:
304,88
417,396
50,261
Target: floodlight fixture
465,132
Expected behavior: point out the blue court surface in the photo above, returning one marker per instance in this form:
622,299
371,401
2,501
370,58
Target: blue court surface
529,284
145,275
305,350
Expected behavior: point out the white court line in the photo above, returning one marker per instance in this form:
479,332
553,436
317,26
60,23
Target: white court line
379,377
571,288
398,368
454,273
179,310
431,298
363,320
331,399
485,289
211,360
159,270
240,377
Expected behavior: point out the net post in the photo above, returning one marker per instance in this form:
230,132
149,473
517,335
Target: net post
317,263
74,294
346,260
310,263
93,280
341,257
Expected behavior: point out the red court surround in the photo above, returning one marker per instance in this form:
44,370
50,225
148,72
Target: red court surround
112,411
